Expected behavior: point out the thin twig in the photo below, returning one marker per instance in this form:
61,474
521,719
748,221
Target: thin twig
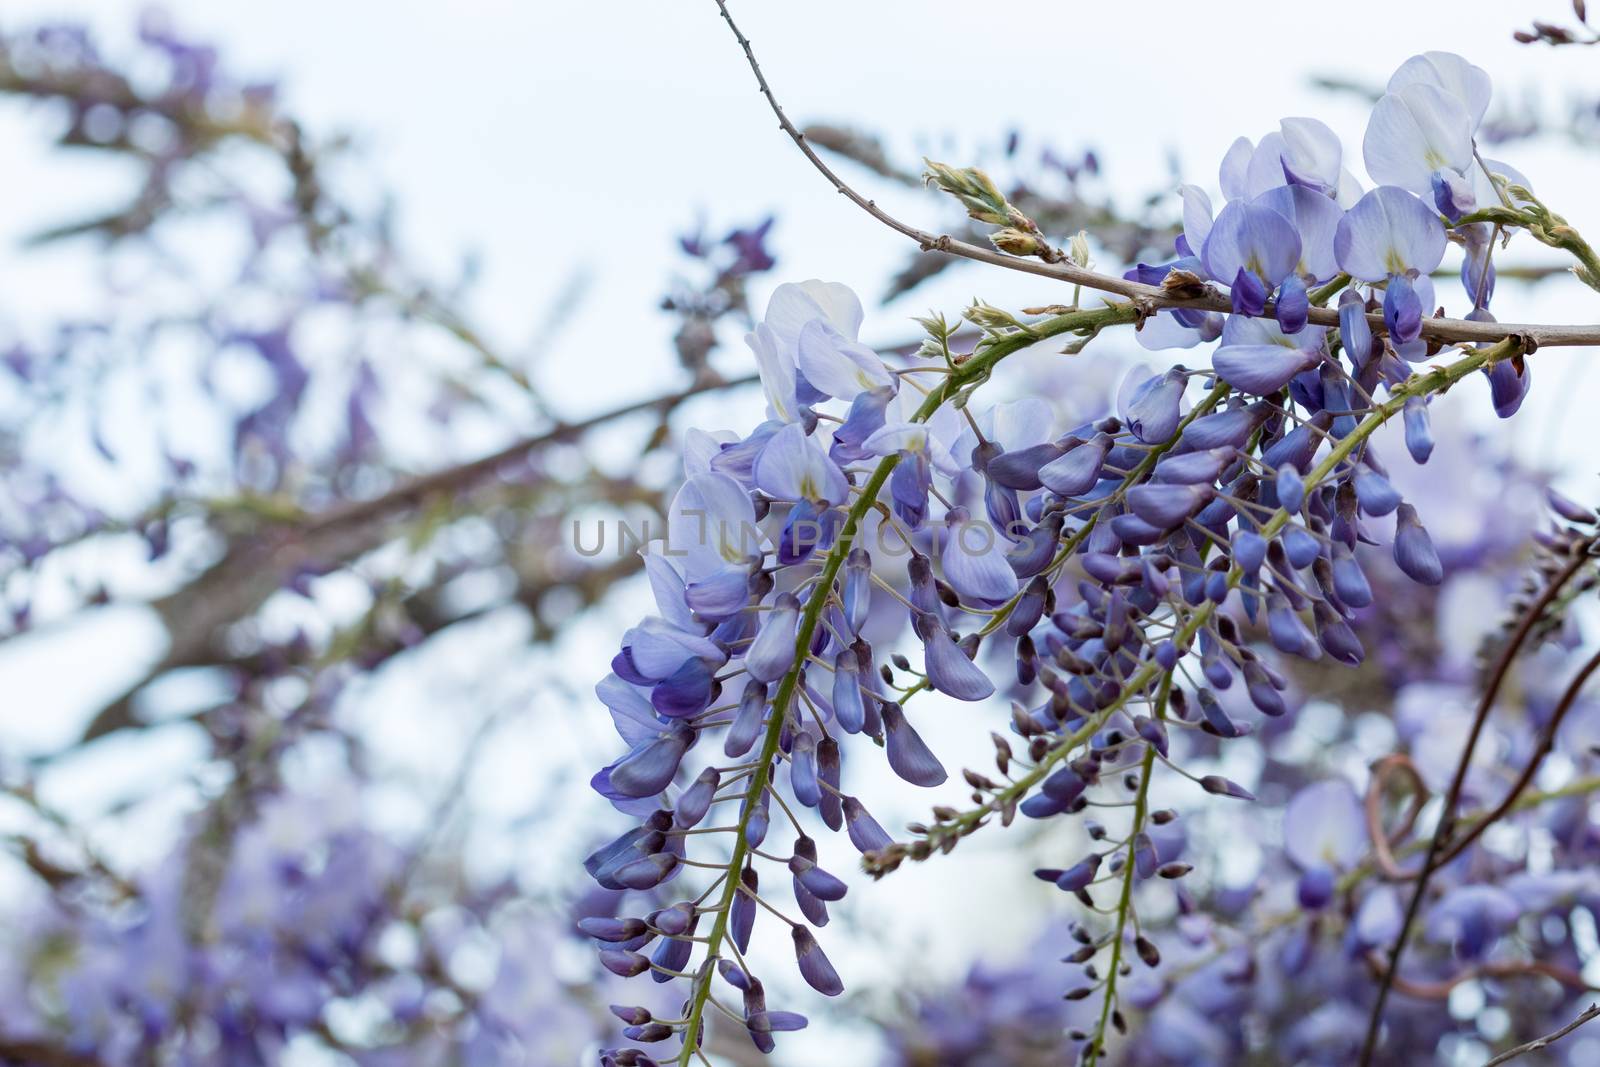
1547,1040
1385,841
473,471
1440,990
1097,1041
1547,741
1446,825
1148,297
41,1054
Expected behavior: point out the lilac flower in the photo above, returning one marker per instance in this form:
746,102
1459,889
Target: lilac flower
1312,156
863,830
816,881
814,966
1413,550
803,778
747,721
1007,430
922,449
1388,233
773,652
1355,334
793,467
749,245
1233,171
849,702
1194,468
837,366
1013,425
1151,407
1316,221
795,305
1221,429
831,348
702,568
1165,506
1197,216
1166,329
1468,84
1301,152
1077,470
856,595
909,755
1417,133
650,766
742,913
974,560
1508,385
1471,918
1324,828
676,664
1257,357
949,669
1390,236
778,373
1374,493
1251,248
1378,919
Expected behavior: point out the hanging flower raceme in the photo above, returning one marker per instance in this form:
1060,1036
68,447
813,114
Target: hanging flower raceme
1137,584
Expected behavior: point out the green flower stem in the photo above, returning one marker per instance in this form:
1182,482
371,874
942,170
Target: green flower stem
1323,293
1141,807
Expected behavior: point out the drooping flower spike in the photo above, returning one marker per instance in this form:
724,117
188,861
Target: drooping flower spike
1136,584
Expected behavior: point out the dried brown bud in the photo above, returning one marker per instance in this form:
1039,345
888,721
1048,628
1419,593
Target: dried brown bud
1183,285
978,781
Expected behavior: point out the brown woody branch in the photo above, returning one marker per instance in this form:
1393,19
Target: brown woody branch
1433,858
1147,297
1547,1040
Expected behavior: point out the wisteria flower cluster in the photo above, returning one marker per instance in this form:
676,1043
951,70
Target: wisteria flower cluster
317,932
1295,219
1280,960
1284,672
1133,583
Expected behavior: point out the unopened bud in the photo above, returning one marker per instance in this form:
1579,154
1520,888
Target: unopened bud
1078,250
1015,242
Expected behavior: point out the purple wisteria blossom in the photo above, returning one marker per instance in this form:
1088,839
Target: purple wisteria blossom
1274,661
1145,586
